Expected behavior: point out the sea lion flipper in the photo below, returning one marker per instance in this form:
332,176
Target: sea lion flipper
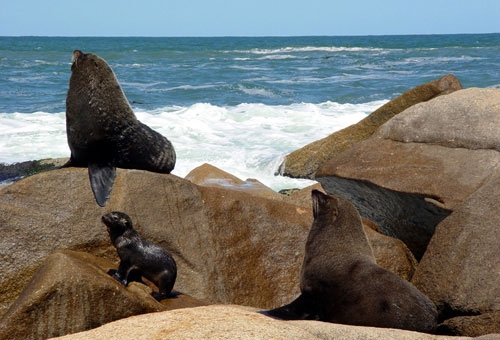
102,178
302,308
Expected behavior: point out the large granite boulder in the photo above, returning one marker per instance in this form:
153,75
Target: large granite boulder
72,292
230,246
435,164
210,176
460,269
234,322
416,168
304,162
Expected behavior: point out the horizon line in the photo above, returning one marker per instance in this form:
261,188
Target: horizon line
238,36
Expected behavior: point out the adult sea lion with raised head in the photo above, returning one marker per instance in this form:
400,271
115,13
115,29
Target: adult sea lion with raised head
103,131
139,257
341,282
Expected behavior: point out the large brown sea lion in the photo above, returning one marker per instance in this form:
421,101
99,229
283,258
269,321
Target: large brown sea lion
103,131
341,282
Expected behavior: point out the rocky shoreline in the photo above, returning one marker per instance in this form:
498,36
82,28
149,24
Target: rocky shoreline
10,173
425,180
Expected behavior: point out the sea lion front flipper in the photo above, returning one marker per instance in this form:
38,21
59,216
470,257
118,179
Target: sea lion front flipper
102,178
302,308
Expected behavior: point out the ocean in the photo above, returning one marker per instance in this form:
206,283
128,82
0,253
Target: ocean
238,103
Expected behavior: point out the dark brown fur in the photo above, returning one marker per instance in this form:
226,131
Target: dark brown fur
341,282
103,131
139,257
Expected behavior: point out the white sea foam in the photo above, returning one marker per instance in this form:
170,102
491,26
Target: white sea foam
247,140
256,91
184,87
249,68
280,57
331,49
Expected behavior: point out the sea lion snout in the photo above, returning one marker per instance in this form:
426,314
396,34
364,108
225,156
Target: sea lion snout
110,218
117,220
76,55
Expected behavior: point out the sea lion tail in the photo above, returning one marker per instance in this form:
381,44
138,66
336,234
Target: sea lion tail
102,178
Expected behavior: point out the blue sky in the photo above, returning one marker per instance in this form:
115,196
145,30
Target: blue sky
246,18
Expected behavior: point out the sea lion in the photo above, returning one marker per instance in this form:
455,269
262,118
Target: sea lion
102,130
139,257
341,282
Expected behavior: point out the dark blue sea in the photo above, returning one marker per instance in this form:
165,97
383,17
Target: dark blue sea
238,103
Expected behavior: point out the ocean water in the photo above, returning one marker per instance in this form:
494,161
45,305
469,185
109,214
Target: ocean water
240,104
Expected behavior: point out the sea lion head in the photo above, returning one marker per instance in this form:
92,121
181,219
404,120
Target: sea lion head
324,206
77,54
334,212
117,224
88,66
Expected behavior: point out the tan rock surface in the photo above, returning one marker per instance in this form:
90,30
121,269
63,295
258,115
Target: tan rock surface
460,269
233,322
230,246
435,164
476,325
209,176
410,174
227,244
72,292
304,162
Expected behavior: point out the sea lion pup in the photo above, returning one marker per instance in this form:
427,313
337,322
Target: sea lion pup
341,282
139,257
102,130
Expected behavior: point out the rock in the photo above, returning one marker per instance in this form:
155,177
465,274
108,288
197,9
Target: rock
72,292
411,218
234,322
436,163
471,325
209,176
459,270
415,169
226,243
16,171
303,197
303,163
464,119
391,254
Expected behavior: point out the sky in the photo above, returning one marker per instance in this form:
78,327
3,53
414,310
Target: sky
181,18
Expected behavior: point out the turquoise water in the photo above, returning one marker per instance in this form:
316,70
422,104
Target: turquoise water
158,72
238,103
